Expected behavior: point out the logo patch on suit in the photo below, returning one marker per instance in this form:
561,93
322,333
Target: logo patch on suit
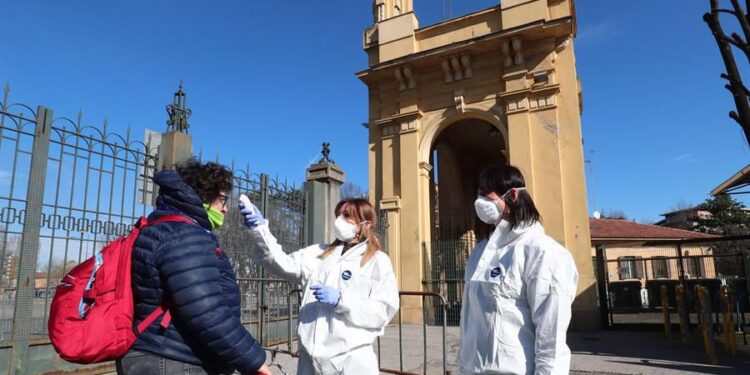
496,272
346,275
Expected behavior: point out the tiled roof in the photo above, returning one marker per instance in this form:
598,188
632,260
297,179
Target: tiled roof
602,229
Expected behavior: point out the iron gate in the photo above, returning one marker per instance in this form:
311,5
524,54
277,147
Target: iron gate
630,277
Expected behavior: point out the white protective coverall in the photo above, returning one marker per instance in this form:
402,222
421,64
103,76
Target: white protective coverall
519,287
335,340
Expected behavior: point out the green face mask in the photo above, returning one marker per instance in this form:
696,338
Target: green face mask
216,218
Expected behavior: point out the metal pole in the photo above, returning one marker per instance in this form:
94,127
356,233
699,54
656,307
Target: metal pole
261,284
289,321
601,285
400,342
665,311
22,316
681,271
682,312
424,339
445,327
680,263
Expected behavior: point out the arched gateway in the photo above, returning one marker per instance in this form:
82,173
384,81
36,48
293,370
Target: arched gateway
495,86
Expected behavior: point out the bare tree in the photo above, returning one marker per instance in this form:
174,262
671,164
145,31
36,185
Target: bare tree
681,205
352,190
615,214
735,85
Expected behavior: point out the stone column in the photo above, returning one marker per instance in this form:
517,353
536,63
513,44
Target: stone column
175,148
323,190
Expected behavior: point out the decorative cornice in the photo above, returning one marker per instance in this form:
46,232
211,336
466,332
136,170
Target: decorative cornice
390,203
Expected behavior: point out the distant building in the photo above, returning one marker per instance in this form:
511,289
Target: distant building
645,252
686,219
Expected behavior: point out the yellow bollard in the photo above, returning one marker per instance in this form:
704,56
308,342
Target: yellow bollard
665,311
705,304
679,292
730,338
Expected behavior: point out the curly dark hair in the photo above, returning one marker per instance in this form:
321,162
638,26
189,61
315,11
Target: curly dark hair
207,179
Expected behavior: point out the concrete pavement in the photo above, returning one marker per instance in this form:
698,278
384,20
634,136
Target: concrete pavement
603,352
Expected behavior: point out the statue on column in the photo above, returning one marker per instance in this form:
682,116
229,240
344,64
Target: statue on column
326,151
178,113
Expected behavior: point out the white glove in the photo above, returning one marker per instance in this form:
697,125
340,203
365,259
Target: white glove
252,215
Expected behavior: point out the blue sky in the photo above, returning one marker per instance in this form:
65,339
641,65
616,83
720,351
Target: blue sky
268,81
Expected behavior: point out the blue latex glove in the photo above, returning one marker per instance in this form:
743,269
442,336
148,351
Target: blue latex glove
252,214
326,294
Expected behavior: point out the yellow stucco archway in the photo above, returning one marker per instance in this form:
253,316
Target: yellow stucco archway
511,66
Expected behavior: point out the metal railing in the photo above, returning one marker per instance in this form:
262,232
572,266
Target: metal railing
424,296
633,277
275,348
67,188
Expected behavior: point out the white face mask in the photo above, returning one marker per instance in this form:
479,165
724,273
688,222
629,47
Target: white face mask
488,210
344,230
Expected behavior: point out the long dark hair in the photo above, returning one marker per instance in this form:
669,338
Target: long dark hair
501,178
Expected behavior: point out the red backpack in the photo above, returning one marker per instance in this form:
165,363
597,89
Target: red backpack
91,316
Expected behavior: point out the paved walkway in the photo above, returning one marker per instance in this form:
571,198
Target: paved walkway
605,352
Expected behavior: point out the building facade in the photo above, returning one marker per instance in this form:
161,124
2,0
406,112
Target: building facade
491,87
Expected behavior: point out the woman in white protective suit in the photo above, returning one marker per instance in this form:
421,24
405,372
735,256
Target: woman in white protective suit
519,286
350,291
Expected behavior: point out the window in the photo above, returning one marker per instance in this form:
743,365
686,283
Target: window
660,267
630,267
694,267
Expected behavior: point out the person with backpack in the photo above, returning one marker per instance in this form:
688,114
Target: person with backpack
350,292
179,266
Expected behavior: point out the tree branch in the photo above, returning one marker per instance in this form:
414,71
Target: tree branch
733,115
736,87
727,11
735,83
744,24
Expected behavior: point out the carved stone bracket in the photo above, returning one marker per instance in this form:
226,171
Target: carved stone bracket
458,98
513,55
457,68
405,77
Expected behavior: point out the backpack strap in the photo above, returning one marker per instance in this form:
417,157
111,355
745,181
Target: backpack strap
172,217
163,309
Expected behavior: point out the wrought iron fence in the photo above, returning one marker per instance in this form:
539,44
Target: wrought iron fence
445,264
83,185
67,188
265,297
633,275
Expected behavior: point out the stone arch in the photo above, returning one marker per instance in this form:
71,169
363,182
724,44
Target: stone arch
437,125
458,147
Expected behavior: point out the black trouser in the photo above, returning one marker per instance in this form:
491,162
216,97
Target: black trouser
141,363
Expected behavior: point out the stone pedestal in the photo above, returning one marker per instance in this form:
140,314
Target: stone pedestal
175,148
323,191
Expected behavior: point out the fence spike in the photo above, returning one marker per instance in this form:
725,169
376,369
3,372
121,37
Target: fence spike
6,92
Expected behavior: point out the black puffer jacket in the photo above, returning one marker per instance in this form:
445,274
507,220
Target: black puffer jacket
182,263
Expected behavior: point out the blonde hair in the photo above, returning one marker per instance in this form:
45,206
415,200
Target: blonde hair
359,210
